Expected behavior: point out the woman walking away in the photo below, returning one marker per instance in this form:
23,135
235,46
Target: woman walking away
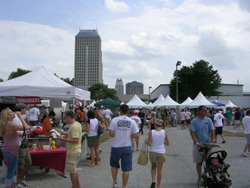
151,122
8,131
157,139
93,138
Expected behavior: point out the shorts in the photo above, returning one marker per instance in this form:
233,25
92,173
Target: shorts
228,120
11,168
237,122
183,122
135,139
71,162
24,158
33,123
197,157
107,121
157,157
218,130
94,141
188,121
248,138
123,153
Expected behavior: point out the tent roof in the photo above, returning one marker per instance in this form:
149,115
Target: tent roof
200,100
168,102
136,102
186,102
230,104
158,101
42,83
217,103
108,102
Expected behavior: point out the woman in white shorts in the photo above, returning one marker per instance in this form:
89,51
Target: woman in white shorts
157,139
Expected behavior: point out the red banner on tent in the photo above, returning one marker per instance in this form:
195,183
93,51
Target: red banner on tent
28,100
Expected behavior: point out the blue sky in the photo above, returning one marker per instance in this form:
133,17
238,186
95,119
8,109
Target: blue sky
141,40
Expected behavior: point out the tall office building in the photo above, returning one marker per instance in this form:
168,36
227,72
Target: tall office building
119,87
134,88
88,59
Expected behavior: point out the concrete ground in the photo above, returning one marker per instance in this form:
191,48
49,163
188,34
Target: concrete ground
178,171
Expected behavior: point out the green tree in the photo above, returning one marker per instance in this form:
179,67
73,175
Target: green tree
67,80
192,79
101,91
18,73
1,80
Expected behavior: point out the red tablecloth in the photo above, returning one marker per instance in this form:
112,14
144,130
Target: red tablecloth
54,159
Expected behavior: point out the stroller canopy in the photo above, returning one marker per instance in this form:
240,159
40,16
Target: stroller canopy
215,149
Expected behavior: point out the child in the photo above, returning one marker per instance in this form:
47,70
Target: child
219,170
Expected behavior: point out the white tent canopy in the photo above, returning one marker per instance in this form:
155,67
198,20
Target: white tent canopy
136,102
230,104
158,101
168,103
186,102
200,100
42,83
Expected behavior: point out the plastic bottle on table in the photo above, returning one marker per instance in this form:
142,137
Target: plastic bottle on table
53,145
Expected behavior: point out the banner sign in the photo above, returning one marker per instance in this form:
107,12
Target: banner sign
28,100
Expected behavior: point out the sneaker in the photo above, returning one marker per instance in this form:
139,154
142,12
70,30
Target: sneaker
224,141
245,155
23,183
19,186
115,185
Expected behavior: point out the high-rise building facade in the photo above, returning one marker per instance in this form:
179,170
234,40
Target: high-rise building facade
119,86
134,88
88,59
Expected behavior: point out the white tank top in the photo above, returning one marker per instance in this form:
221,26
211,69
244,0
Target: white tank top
93,127
158,139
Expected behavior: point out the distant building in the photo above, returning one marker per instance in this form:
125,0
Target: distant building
119,86
88,59
134,88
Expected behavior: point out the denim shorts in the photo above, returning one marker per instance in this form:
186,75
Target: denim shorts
123,153
11,168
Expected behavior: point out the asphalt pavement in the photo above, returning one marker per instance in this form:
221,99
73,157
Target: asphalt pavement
178,172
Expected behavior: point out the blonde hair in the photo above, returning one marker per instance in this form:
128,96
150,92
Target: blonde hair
4,120
153,116
158,122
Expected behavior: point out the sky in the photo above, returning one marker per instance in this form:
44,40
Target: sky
141,39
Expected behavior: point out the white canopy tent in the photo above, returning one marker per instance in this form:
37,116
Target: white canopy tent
200,100
230,104
168,103
92,105
44,84
136,102
186,102
158,101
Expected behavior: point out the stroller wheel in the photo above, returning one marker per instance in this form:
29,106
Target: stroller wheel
202,181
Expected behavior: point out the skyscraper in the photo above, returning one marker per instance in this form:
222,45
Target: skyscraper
134,88
119,86
88,59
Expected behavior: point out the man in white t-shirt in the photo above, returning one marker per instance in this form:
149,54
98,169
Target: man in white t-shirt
138,122
246,126
188,117
122,129
34,116
183,118
107,115
218,124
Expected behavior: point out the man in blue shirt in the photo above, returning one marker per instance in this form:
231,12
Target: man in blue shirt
202,132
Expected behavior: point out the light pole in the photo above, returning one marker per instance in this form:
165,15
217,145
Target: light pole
149,93
177,64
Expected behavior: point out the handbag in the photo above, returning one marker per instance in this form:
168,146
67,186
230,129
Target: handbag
24,142
100,130
143,157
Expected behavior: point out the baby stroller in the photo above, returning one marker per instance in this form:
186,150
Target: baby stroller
216,154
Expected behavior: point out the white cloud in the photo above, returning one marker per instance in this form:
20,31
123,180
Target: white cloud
116,6
29,46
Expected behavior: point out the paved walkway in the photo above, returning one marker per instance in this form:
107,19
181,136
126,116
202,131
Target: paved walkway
178,171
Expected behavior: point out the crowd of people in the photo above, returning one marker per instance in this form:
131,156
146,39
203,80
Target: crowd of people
125,127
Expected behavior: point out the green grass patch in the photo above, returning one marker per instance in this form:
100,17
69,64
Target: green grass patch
105,137
227,133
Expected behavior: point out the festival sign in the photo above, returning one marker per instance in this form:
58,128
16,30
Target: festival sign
28,100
